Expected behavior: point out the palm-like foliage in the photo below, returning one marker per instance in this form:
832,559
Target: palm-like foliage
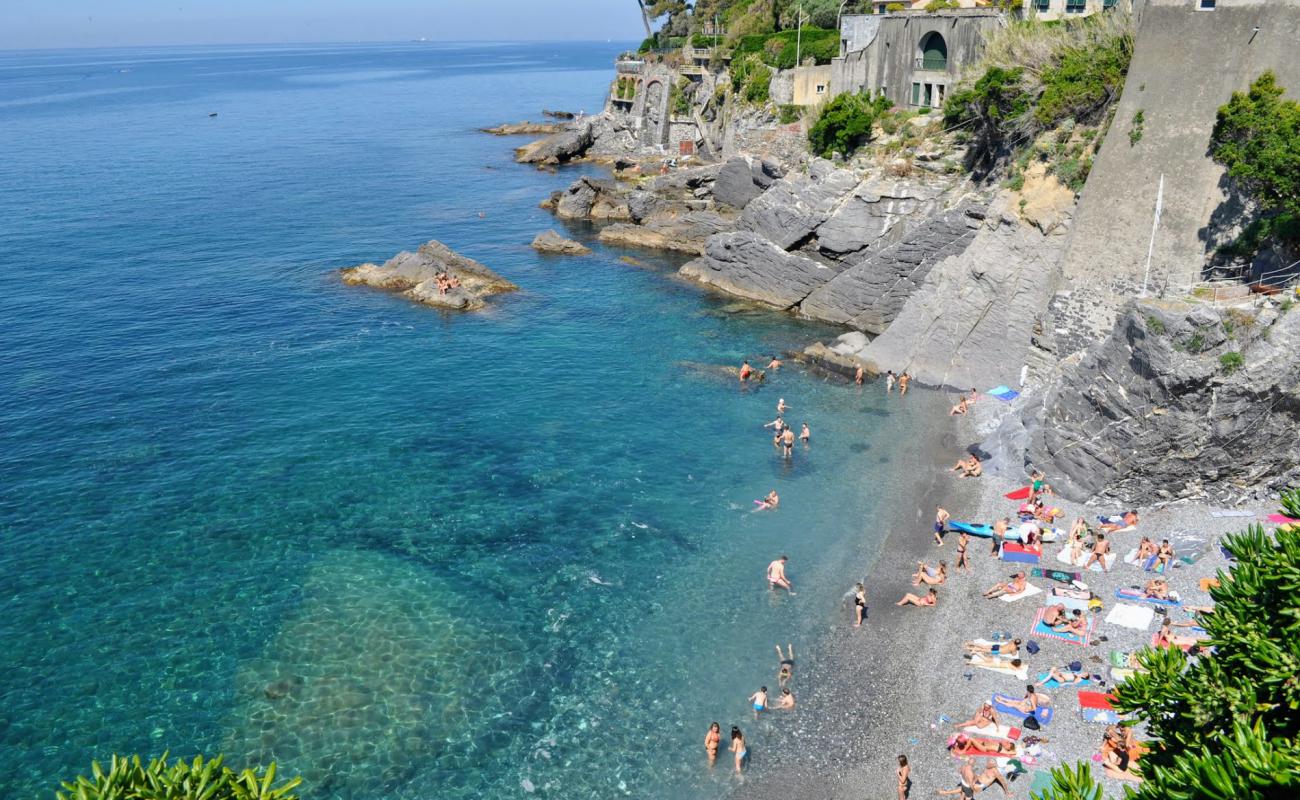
132,779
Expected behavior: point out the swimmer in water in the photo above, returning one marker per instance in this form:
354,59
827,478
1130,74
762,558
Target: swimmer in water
804,433
776,578
903,381
787,442
785,665
775,363
859,375
786,700
745,370
771,501
759,699
781,407
711,741
738,747
889,382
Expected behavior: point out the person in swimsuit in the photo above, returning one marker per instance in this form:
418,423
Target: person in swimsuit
771,501
990,776
966,787
889,382
903,381
781,407
1156,589
984,746
1099,550
923,574
1076,625
904,778
1014,586
786,701
963,540
759,699
959,409
745,371
711,741
804,433
776,578
929,599
1009,649
1146,549
986,717
785,665
1065,677
999,535
787,442
1053,614
859,375
941,517
1164,556
738,747
859,604
1165,637
775,363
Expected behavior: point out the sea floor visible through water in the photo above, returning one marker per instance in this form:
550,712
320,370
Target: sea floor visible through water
247,509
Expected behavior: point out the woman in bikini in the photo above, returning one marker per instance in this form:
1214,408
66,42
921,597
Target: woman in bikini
962,541
738,747
1032,701
992,747
1156,589
923,574
1146,549
1016,585
1064,677
859,604
711,741
929,599
904,778
1164,555
984,718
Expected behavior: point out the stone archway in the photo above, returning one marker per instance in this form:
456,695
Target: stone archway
654,121
932,52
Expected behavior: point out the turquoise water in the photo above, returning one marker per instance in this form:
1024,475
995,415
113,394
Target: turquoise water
244,508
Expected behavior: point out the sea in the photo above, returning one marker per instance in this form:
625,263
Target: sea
246,509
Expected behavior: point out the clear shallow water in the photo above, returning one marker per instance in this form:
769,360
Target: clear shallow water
244,508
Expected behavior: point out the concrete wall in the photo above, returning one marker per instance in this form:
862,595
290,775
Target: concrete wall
811,85
1186,64
857,31
1056,9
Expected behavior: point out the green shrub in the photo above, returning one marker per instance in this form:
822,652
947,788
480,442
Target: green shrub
678,100
751,79
1135,132
1155,325
1291,503
1084,81
940,5
1016,182
845,123
129,778
1231,362
790,113
1073,172
648,44
1255,136
1194,343
893,8
779,49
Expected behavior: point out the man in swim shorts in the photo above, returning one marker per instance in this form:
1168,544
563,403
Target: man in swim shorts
776,578
941,517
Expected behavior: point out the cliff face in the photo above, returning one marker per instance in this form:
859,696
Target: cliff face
1160,410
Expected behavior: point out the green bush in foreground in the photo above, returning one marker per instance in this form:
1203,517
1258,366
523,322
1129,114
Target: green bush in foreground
1225,726
780,49
845,123
129,778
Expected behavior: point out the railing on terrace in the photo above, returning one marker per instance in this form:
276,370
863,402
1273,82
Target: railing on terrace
628,67
1277,280
931,62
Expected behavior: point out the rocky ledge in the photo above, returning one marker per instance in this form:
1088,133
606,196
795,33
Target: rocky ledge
413,276
567,145
552,242
526,128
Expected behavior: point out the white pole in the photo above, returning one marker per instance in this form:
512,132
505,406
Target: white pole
798,34
1160,202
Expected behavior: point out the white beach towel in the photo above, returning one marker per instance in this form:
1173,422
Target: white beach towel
1070,603
1064,558
1006,669
1230,513
1129,616
1030,591
1131,557
998,731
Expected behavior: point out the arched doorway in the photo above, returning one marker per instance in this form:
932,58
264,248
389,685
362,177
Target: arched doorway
933,52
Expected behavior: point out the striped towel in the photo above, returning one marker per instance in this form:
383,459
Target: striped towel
1044,631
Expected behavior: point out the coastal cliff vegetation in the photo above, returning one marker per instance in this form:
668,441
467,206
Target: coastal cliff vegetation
1223,725
200,779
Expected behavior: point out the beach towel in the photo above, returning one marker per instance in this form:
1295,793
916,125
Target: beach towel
1064,558
1019,494
1096,707
994,731
971,751
1019,553
1127,616
1006,669
1138,596
1043,715
1058,575
1044,631
1281,519
1051,534
1030,591
1118,658
1055,684
1003,393
1225,512
1070,603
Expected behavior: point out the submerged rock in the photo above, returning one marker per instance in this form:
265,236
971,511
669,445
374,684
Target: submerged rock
412,275
552,242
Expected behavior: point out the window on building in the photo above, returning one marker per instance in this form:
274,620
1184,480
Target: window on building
916,94
1109,3
1042,5
1207,4
1076,6
934,52
821,88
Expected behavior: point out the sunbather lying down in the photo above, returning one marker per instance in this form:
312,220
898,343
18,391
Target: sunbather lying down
1064,676
1004,649
984,718
993,747
996,661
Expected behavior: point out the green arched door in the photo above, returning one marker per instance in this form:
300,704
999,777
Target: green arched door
934,52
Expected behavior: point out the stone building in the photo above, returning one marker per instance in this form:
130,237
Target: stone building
912,58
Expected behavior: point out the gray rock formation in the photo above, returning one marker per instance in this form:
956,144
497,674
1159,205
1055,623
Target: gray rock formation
412,275
1157,411
792,209
870,294
682,231
556,148
552,242
589,198
873,210
972,322
741,180
519,128
747,265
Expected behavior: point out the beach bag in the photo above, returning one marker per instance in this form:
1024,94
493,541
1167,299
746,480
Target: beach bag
1031,723
1032,647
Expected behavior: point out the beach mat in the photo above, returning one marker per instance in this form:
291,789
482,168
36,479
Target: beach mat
1137,596
1006,669
1058,575
1043,715
1064,558
1030,591
1281,519
1226,512
1127,616
1019,553
1044,631
1004,393
994,732
1096,707
1055,684
1019,494
1146,564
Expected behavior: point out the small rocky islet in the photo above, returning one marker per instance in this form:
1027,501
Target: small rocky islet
414,276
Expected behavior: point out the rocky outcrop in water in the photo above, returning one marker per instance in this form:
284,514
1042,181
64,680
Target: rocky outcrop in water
552,242
1178,398
413,276
557,148
680,231
521,128
590,198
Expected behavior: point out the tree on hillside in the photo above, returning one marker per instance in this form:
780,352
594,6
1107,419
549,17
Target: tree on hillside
1257,137
1224,725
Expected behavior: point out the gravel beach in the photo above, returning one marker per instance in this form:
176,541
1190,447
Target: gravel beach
868,695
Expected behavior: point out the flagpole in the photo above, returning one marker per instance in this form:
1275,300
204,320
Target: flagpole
1155,223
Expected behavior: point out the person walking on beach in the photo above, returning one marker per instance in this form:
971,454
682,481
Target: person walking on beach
962,564
738,747
903,381
999,534
759,699
859,604
904,778
776,578
785,666
712,740
941,517
889,382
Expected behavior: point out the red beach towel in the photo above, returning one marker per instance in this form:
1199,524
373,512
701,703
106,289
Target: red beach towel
1018,494
1095,700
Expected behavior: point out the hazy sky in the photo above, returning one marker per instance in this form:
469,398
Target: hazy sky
107,23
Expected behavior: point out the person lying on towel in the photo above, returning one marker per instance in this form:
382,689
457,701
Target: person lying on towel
1126,520
1015,586
1075,624
1066,676
1032,701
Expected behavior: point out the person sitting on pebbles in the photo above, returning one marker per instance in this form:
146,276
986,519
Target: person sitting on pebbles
929,599
969,467
930,577
962,406
986,717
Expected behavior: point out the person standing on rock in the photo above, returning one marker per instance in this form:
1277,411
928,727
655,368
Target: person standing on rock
889,382
941,517
903,381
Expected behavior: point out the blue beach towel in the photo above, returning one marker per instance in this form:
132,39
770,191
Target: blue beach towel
1043,715
1137,596
1043,630
1003,393
1055,684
